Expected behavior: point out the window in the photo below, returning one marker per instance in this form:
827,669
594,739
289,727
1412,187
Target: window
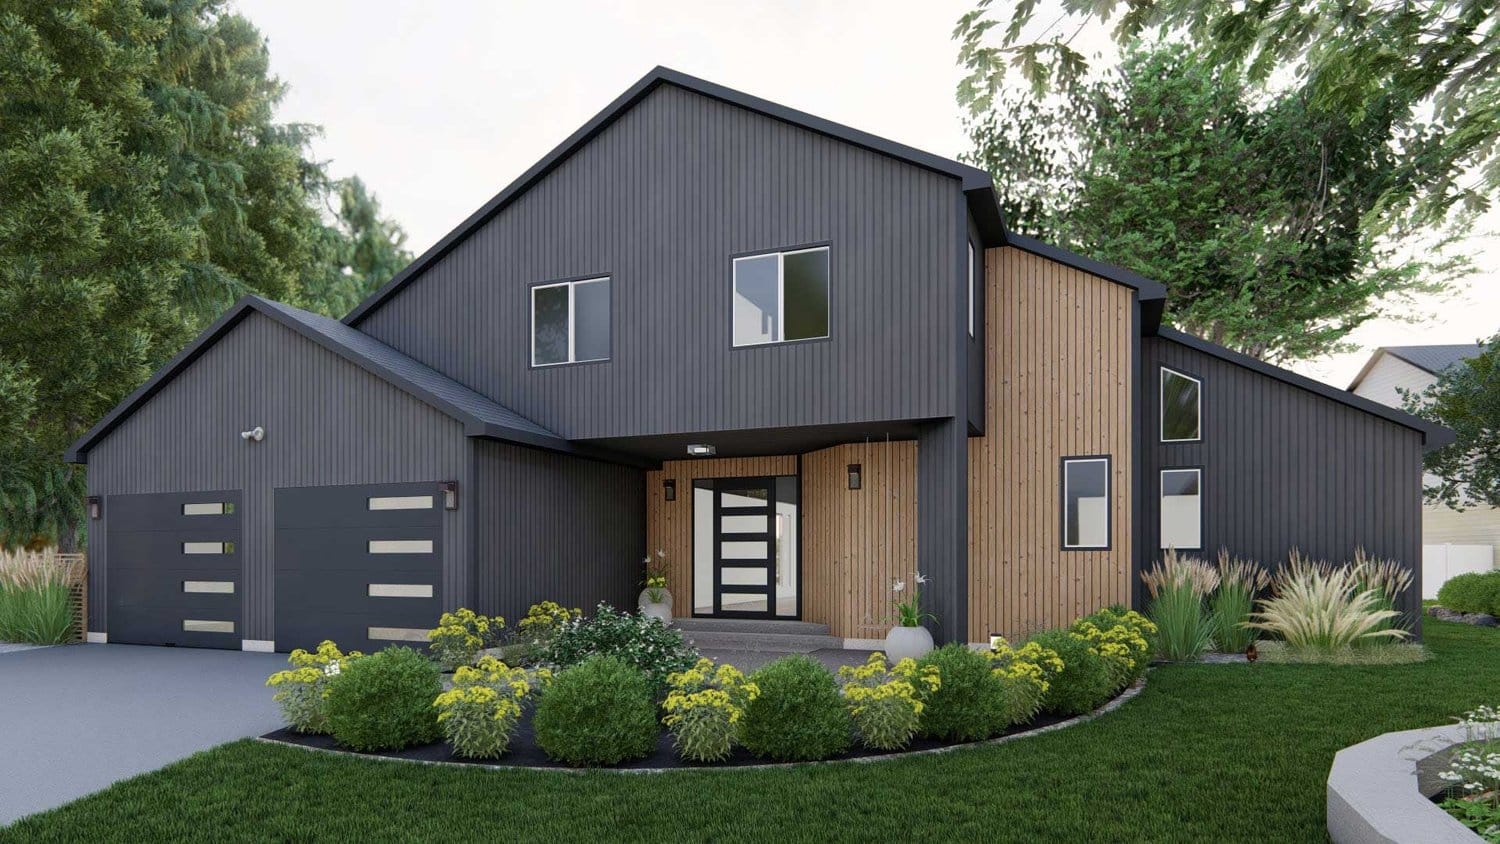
208,508
781,296
1181,407
400,546
1086,502
1182,508
570,322
971,289
399,502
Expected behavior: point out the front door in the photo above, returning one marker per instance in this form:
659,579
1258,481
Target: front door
747,547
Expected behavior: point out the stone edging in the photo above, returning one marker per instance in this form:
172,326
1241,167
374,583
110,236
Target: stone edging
1114,703
1373,794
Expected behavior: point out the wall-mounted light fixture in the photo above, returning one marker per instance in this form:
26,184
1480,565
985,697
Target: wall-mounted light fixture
669,490
255,434
96,506
450,494
701,450
856,476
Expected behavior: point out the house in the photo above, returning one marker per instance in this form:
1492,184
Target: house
800,360
1455,541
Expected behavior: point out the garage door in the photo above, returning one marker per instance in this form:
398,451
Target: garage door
174,569
358,565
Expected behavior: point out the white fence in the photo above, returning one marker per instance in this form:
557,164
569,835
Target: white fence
1441,562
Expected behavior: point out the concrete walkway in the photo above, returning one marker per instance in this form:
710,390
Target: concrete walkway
76,719
748,661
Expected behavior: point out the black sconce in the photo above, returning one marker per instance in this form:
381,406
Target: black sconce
856,476
96,506
450,494
669,490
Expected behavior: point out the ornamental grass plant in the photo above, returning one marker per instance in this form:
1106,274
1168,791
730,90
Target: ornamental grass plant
1240,583
1179,588
1317,607
34,597
886,701
1388,580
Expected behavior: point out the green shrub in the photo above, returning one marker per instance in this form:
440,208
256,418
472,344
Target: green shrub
798,715
301,691
34,600
1124,638
1474,592
534,633
886,701
1086,680
969,704
644,643
599,712
384,701
461,635
705,709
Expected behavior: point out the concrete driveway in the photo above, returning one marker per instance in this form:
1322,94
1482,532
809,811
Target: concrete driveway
77,718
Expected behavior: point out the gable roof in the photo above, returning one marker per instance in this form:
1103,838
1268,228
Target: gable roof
1431,359
977,185
480,416
1433,434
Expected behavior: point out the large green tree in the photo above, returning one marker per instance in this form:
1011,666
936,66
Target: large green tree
144,185
1466,398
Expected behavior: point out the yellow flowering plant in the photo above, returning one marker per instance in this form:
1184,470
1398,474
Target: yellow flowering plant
1028,672
478,716
302,689
886,701
1125,638
461,635
704,709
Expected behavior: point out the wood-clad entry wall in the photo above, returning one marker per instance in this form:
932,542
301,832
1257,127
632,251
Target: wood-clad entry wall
1058,384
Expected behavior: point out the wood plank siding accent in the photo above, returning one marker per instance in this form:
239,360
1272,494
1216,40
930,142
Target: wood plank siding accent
1058,384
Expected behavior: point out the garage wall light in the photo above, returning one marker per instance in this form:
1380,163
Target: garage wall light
669,490
96,506
450,494
255,434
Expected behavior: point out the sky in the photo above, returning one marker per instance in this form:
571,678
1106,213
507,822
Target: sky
440,105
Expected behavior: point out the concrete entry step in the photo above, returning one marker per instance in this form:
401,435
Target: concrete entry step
749,625
778,642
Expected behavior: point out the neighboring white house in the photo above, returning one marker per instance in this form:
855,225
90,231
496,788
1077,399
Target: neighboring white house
1453,542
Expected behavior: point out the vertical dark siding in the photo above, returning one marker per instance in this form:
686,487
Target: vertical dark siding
943,525
550,527
1283,468
660,201
327,422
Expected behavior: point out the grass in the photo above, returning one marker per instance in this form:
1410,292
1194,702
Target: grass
34,605
1379,653
1206,753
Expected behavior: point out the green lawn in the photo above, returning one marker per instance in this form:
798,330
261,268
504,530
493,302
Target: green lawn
1206,753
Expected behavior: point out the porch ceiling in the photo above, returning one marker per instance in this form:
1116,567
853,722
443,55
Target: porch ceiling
757,441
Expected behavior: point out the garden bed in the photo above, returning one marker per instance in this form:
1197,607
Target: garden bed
525,753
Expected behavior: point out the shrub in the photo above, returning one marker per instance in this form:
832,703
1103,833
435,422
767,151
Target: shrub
1027,673
1240,583
461,635
1388,580
599,712
1124,638
1317,606
479,714
1178,587
1086,680
34,600
970,704
1473,593
535,632
384,701
1473,774
885,701
645,643
302,691
705,709
798,715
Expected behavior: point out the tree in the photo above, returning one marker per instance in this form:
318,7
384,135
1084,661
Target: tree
1251,208
143,187
361,251
1465,398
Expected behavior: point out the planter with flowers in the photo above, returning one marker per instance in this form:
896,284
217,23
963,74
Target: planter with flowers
656,600
909,639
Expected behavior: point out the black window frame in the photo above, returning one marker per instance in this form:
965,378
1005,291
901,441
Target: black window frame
1109,491
1161,402
1161,494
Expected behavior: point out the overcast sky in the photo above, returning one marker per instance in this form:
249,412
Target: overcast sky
439,105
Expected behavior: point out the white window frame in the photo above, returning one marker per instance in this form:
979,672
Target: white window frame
1108,504
780,296
1161,401
572,319
1161,494
971,288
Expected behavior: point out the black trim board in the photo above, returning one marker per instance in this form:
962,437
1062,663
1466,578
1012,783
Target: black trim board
1433,435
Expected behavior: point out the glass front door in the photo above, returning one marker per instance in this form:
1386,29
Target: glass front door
745,547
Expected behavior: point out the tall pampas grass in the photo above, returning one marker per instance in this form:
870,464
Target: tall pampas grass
1179,588
1318,606
1240,583
34,599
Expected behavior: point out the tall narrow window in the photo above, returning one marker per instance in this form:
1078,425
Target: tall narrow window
781,296
1182,509
1085,502
1181,407
570,322
971,289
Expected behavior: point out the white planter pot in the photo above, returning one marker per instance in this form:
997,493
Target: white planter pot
653,609
904,642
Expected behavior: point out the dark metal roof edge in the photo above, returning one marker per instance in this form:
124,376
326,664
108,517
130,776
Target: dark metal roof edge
971,178
1147,289
1433,435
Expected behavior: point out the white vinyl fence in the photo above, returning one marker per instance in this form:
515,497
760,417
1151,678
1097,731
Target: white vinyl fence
1441,562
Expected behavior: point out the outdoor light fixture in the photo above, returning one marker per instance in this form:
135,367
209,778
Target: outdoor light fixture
450,494
856,476
96,506
701,450
255,434
669,490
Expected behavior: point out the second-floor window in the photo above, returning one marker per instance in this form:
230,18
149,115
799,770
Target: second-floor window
570,322
1181,407
781,296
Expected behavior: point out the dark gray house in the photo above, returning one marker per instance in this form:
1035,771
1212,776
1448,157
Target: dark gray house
797,359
